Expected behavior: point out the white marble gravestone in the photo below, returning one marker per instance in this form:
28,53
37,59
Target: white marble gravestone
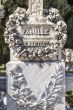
36,71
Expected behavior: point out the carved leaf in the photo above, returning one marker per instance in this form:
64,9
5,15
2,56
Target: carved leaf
24,96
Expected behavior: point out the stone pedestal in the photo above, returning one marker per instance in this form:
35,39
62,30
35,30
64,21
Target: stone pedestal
36,85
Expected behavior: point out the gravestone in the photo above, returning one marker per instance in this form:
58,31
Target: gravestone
36,72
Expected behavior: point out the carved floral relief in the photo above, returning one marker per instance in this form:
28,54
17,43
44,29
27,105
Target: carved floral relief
36,41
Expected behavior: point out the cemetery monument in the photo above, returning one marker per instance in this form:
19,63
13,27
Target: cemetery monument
36,71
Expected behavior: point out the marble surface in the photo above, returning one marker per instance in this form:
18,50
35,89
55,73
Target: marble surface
36,85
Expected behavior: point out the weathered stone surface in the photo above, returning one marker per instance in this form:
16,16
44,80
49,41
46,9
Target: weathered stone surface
36,39
36,7
36,85
69,55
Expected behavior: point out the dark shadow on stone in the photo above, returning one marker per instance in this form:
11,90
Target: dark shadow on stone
18,69
11,104
3,84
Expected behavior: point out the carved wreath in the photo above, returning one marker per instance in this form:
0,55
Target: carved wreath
26,99
15,40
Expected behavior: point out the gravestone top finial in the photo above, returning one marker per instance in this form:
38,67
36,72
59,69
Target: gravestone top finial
36,7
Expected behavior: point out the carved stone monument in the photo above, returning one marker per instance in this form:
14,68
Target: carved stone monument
36,71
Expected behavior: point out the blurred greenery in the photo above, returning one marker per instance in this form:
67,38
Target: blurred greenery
2,69
2,66
69,98
65,7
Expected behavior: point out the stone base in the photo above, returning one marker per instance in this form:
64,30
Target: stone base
36,85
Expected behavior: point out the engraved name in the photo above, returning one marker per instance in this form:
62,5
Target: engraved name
35,35
36,30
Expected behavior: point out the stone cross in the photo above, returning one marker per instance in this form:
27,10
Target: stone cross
36,7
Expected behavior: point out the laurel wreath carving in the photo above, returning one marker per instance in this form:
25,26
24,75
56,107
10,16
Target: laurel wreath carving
26,99
20,17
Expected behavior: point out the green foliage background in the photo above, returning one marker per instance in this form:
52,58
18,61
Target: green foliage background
65,7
